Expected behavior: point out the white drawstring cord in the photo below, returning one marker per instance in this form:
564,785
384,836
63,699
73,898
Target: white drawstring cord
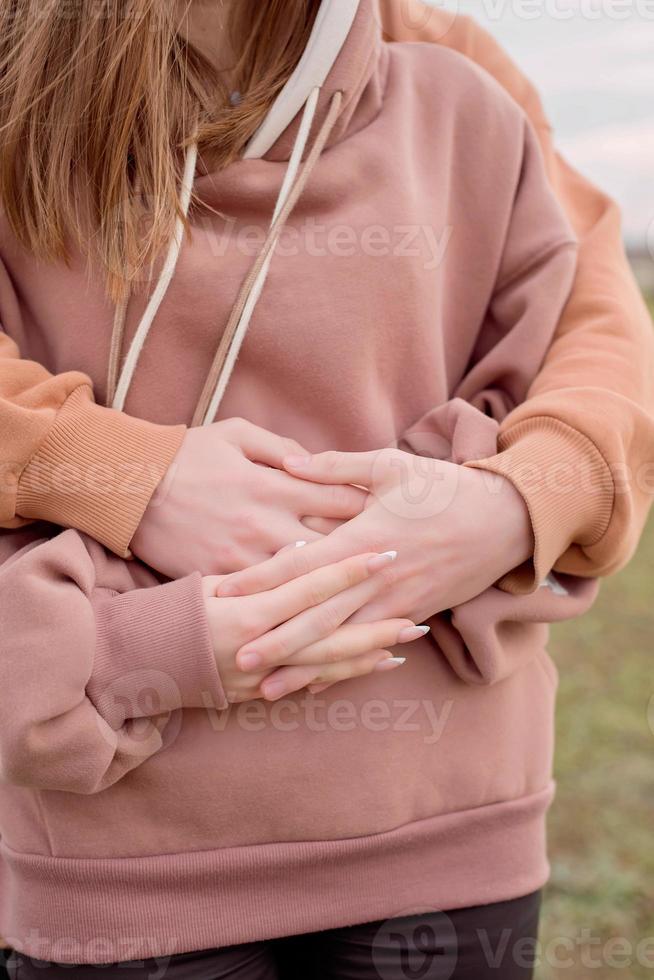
257,288
165,277
251,291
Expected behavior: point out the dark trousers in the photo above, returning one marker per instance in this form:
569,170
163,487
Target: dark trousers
488,942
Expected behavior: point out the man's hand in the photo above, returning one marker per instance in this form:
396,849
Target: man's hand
226,504
458,530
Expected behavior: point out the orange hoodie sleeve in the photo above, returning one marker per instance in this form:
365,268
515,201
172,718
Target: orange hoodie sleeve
67,460
590,410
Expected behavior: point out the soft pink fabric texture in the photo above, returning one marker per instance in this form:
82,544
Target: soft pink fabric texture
412,300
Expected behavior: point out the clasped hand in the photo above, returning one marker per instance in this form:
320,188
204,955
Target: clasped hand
283,618
457,530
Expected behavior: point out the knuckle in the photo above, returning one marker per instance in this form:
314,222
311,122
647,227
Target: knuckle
231,428
290,447
326,674
249,527
377,637
375,542
318,593
258,488
387,577
327,619
276,649
256,625
329,460
300,563
352,573
231,558
385,456
239,637
333,652
342,497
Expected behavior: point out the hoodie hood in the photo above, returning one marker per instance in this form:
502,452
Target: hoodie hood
343,51
330,31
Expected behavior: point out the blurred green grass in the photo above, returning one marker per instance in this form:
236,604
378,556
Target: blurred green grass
599,904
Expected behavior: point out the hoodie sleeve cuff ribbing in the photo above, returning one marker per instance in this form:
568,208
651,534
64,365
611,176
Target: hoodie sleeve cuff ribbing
97,470
154,653
566,484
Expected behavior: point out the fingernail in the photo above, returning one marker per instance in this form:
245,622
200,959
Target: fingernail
249,661
410,633
381,560
273,690
297,461
300,544
390,664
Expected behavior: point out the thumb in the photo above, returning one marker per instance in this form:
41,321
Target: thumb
262,446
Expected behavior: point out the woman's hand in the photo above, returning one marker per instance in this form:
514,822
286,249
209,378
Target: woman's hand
300,625
226,504
461,529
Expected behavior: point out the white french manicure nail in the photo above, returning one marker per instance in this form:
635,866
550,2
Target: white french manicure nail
410,633
390,664
390,554
300,544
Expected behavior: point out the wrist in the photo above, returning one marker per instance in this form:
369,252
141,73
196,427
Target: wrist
152,524
96,471
510,515
567,483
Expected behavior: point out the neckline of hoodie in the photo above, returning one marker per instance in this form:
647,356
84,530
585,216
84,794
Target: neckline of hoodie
206,178
326,41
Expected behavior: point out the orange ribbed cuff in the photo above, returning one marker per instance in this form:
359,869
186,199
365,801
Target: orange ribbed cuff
566,484
97,470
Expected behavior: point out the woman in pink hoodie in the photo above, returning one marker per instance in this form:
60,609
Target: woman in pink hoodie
352,244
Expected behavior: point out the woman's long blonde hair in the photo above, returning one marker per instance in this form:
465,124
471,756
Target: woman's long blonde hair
98,99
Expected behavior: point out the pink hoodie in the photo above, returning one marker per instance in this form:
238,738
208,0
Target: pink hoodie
410,301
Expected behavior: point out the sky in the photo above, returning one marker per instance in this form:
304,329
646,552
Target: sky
593,62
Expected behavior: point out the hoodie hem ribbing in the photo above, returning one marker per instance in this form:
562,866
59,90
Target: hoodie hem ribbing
65,909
